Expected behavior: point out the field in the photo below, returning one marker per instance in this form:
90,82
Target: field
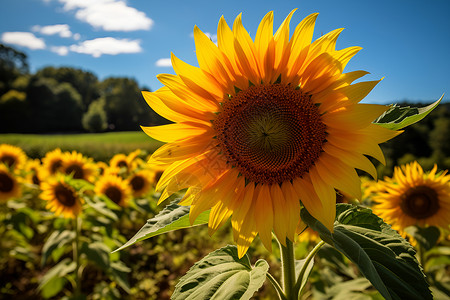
44,255
100,146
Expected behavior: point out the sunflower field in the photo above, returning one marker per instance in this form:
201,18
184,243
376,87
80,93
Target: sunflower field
266,144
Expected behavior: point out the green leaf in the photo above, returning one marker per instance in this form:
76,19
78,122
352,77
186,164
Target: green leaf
56,240
63,268
381,254
397,117
98,253
172,217
53,287
299,264
222,275
426,237
119,273
101,207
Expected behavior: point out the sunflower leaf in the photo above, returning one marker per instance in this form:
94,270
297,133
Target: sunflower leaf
172,217
222,275
397,117
426,237
381,254
57,240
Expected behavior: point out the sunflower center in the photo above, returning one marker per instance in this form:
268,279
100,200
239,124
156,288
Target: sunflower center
122,164
76,170
55,166
114,194
137,183
8,160
420,202
271,133
65,195
6,183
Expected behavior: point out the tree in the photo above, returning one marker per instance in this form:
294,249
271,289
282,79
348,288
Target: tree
85,82
13,63
124,105
13,111
94,120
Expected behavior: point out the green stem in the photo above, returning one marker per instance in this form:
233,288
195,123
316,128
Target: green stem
76,255
305,266
277,287
288,266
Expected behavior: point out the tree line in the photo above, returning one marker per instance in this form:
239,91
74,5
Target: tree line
65,99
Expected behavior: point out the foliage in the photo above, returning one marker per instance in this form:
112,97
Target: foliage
94,120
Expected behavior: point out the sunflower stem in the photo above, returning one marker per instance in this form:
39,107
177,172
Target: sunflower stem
76,255
308,259
288,267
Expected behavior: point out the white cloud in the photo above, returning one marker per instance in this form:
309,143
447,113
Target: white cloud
63,30
25,39
76,36
163,62
109,15
107,45
60,50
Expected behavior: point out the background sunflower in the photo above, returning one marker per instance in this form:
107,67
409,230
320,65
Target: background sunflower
412,197
9,185
115,188
61,197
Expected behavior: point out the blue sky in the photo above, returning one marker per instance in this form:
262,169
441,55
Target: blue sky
407,42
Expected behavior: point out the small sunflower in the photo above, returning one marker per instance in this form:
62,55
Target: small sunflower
141,182
52,162
264,124
33,171
9,184
115,188
12,156
61,196
79,166
412,197
101,167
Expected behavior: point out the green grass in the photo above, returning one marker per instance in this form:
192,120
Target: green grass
100,146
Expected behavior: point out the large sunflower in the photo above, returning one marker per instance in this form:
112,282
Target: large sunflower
115,188
9,185
79,166
12,156
261,124
61,196
52,162
412,197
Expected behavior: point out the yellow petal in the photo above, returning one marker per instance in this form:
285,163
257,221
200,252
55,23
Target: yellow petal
338,174
280,213
327,196
175,132
353,117
264,216
292,208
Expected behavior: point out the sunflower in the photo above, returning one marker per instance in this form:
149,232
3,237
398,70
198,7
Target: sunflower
12,156
52,162
261,124
412,197
33,171
115,188
141,182
79,166
125,162
61,196
9,185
